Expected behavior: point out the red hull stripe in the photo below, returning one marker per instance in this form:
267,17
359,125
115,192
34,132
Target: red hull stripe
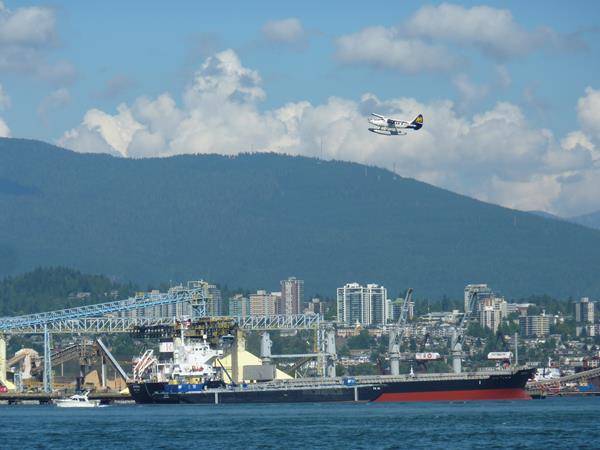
450,396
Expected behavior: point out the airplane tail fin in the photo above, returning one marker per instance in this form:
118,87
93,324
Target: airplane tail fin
418,122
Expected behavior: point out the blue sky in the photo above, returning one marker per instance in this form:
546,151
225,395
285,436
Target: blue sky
308,72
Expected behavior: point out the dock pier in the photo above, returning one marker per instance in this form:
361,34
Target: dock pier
43,398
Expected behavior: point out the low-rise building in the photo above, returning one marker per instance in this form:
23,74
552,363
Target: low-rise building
80,295
589,330
265,303
520,308
442,317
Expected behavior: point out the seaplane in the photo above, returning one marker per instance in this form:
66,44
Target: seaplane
392,127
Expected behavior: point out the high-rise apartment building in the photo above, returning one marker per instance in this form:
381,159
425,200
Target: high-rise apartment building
492,310
482,291
239,306
584,311
209,293
214,301
395,309
364,305
315,306
212,297
292,292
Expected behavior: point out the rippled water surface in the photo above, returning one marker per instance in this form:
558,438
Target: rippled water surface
546,424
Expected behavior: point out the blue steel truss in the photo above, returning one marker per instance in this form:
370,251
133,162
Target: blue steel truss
101,325
279,322
175,295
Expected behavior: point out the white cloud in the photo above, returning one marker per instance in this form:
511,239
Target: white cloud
286,31
469,92
58,72
222,77
116,86
504,78
55,100
579,193
4,103
495,155
577,139
493,31
490,29
535,194
434,39
27,36
30,26
4,99
116,131
386,48
4,130
588,112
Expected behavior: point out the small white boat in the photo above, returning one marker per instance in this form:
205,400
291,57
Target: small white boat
77,401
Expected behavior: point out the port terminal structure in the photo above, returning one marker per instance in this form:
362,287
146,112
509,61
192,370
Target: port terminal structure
555,385
101,319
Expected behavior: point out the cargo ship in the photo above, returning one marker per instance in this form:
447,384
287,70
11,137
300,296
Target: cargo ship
191,372
500,385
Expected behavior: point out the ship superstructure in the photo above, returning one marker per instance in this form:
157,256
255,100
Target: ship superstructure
186,357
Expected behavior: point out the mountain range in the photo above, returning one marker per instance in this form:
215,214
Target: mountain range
254,219
591,220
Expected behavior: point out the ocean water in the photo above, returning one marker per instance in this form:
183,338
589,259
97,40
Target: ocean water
537,424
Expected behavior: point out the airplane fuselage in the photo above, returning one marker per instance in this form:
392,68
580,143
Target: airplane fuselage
391,127
388,127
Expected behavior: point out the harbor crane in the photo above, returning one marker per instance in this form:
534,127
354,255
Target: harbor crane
396,334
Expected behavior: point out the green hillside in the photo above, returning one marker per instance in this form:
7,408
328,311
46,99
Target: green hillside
47,289
255,219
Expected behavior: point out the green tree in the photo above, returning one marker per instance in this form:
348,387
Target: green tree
362,341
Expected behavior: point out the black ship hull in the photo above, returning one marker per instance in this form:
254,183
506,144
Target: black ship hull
374,389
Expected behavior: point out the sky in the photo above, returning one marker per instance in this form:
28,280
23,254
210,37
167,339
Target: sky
509,91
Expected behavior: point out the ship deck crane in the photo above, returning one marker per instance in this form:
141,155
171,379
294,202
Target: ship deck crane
396,334
459,333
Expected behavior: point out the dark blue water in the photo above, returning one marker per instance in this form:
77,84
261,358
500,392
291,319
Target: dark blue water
539,424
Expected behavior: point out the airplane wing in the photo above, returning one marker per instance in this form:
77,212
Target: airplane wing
377,115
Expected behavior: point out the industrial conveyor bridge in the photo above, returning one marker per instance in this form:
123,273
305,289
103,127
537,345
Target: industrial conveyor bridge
105,318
